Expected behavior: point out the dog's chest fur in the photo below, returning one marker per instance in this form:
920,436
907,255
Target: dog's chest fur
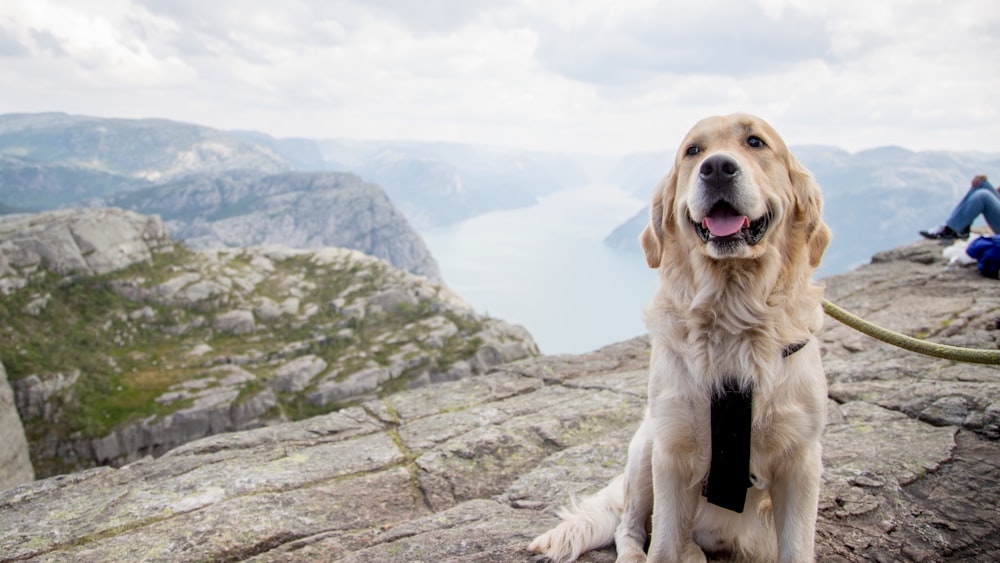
714,346
701,351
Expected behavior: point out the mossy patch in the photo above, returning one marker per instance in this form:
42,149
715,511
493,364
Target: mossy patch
132,341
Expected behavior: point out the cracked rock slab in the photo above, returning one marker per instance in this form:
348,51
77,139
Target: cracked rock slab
471,470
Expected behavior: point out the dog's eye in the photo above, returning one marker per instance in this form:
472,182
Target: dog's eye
693,150
756,142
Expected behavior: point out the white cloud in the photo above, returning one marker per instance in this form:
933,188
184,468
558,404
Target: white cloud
711,37
595,75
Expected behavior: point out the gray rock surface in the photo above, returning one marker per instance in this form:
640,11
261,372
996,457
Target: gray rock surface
471,470
910,290
15,464
239,321
296,209
89,241
171,344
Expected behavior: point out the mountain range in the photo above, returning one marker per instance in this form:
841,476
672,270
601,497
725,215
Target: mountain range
217,188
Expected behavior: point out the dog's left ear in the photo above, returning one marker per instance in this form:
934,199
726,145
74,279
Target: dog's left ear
652,237
809,210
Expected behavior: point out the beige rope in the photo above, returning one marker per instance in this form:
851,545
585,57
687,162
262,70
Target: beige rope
969,355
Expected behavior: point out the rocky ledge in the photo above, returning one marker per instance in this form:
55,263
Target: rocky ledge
471,470
95,241
120,343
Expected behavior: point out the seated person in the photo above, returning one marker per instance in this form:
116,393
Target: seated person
981,199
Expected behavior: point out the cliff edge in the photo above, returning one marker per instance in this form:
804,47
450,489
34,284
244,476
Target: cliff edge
471,470
15,463
120,343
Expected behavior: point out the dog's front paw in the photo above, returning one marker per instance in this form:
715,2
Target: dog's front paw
689,553
629,549
694,554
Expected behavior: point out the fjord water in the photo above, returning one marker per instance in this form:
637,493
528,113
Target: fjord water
547,268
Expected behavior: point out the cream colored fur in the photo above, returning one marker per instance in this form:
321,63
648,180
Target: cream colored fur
721,311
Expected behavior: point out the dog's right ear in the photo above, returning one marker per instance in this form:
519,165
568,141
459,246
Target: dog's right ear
652,237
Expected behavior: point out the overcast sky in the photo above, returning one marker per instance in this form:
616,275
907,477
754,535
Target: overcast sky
600,76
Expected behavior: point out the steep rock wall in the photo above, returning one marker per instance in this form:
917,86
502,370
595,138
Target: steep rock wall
15,464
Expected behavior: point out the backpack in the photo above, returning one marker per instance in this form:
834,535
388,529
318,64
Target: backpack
986,251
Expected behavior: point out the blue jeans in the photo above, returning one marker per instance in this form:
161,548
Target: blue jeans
983,200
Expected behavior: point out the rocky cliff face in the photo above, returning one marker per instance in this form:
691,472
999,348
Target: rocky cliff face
297,209
471,470
92,242
63,243
121,343
15,463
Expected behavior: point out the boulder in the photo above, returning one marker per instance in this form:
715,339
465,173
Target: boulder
239,321
88,241
295,375
111,239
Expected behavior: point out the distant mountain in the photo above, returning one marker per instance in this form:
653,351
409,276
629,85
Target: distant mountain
297,209
204,181
436,183
301,154
54,159
215,188
626,235
444,183
148,149
28,185
874,199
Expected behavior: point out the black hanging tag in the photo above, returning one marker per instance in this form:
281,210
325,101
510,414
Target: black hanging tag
729,474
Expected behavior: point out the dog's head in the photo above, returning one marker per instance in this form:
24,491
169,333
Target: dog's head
735,192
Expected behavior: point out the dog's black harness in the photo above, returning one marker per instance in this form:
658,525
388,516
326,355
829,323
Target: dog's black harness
732,415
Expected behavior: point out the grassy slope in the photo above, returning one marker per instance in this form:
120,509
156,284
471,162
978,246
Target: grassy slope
128,352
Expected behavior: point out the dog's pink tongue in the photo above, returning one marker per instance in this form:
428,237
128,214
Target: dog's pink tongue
725,225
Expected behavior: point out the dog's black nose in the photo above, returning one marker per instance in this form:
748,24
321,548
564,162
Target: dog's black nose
719,169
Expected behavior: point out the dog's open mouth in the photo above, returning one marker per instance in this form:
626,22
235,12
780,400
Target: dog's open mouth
724,224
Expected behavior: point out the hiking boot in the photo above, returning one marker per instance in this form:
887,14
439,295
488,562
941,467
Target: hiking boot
944,232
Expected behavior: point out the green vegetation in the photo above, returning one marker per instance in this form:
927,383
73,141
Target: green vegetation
130,341
84,327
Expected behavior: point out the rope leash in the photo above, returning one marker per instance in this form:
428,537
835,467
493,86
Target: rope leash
968,355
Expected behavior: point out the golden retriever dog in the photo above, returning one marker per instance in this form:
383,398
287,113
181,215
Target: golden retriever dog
727,459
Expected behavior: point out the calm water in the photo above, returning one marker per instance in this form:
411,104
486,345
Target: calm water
546,268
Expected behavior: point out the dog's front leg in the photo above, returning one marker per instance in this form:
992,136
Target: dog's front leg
795,498
675,501
630,536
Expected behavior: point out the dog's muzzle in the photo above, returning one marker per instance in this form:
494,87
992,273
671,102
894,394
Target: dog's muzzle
720,180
